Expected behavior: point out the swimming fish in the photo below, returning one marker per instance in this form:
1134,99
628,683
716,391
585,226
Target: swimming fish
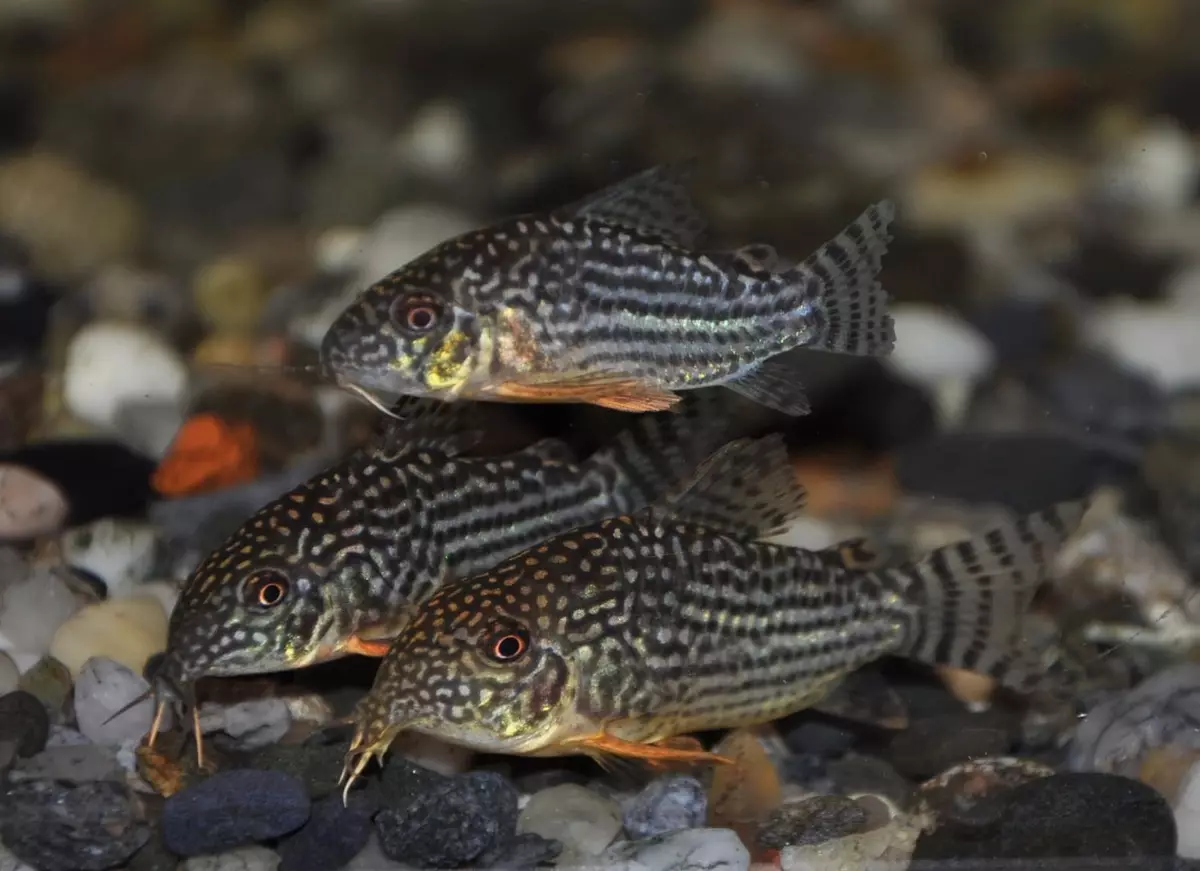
613,638
609,301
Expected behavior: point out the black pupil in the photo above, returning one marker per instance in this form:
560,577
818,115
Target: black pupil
509,646
420,318
272,592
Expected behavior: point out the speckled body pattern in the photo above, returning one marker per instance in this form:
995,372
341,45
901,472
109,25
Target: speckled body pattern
360,544
644,628
614,286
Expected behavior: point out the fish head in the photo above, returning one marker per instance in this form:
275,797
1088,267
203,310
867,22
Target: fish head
415,332
473,667
278,594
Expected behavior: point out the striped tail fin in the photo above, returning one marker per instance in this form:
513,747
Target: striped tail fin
966,602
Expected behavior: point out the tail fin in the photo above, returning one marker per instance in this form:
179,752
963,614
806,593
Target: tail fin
846,270
968,600
661,451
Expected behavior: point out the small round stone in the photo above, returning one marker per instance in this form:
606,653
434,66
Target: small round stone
666,805
232,809
24,721
812,821
334,834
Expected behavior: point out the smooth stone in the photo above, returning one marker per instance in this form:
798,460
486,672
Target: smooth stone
109,364
25,722
79,763
121,553
33,606
1149,338
452,823
251,724
102,689
1155,171
523,853
930,746
334,834
666,804
687,850
857,772
31,505
230,293
1065,816
933,344
316,763
824,739
584,821
428,752
50,681
233,809
128,630
886,842
253,858
976,793
10,675
812,821
58,826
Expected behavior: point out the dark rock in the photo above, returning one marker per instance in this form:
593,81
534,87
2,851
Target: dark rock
24,720
1021,331
50,682
820,738
812,821
1105,265
523,853
808,770
1096,394
154,856
316,763
334,834
449,823
57,826
403,781
1065,816
856,772
233,809
977,793
665,805
930,746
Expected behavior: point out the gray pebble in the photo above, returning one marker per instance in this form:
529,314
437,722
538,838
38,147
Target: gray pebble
666,805
59,826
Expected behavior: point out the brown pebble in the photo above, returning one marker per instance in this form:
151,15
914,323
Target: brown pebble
30,505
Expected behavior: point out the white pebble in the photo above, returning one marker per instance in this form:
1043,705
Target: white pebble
241,859
585,821
128,630
1154,339
428,752
252,724
933,344
101,690
1156,171
438,141
1183,288
30,505
33,605
9,674
109,364
120,553
686,850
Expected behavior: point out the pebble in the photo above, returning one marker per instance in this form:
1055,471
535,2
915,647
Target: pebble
975,793
58,826
316,763
584,821
929,746
77,763
687,850
934,346
1065,816
31,505
9,862
251,724
1152,339
33,605
451,823
50,681
121,553
128,630
666,804
10,676
24,722
253,858
102,689
886,841
230,294
334,834
1186,807
856,772
812,821
428,752
523,853
232,809
109,364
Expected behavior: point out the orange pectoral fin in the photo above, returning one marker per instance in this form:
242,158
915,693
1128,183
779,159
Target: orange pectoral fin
607,389
664,753
207,454
368,647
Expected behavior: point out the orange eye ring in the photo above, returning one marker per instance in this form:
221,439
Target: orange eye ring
509,646
266,589
417,313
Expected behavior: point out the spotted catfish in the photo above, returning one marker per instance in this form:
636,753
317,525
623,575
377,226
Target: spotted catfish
610,301
611,639
335,566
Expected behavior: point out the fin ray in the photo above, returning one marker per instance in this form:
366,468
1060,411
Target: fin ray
775,384
654,202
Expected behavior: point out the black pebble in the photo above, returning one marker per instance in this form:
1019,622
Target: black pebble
451,823
812,821
930,746
317,764
334,834
1065,816
58,826
856,772
232,809
24,720
819,737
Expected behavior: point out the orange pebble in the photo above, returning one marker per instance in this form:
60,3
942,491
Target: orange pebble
208,454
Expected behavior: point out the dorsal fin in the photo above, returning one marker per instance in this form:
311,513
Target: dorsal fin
747,488
654,202
425,424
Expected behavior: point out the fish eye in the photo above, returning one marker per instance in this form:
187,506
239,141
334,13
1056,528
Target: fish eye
416,313
266,589
508,646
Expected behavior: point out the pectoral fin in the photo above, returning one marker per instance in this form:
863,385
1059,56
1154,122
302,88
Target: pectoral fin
616,390
657,754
